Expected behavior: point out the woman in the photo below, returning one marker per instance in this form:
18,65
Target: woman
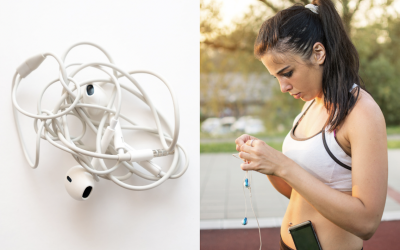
335,177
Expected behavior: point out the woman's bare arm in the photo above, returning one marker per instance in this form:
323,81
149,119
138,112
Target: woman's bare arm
280,185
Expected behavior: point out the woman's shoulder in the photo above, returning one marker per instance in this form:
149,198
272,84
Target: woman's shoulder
365,108
365,116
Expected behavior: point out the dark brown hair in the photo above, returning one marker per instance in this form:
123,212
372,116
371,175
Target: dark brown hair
296,30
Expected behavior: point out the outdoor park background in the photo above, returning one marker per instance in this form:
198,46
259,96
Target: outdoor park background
236,88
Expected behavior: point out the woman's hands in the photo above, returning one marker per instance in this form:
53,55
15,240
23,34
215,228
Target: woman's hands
259,156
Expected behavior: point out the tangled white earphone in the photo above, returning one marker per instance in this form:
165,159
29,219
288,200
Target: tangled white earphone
88,102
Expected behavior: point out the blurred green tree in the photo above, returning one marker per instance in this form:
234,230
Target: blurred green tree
378,47
230,49
348,8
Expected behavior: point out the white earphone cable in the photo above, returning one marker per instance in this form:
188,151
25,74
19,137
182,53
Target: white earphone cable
52,125
251,202
247,182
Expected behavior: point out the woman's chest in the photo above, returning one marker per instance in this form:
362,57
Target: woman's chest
312,123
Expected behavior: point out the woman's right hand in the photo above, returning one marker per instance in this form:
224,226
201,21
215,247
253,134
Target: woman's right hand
242,140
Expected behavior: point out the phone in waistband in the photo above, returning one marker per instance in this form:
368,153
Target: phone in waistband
304,236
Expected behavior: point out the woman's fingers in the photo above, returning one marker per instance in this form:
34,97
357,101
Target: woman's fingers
260,157
254,142
246,148
246,144
249,142
247,166
242,140
245,156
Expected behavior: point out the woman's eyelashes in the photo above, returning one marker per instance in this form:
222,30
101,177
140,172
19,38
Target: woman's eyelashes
287,74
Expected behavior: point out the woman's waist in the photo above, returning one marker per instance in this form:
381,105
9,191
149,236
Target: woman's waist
330,235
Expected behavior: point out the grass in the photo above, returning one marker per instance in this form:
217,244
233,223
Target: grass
230,147
393,130
270,134
393,144
227,147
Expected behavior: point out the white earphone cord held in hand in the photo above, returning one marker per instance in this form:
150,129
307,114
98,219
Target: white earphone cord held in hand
247,184
88,102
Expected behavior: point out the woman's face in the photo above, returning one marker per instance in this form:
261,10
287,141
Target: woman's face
301,79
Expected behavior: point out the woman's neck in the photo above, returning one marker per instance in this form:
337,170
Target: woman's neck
319,105
319,100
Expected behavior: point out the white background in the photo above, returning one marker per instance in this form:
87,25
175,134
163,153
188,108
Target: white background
35,210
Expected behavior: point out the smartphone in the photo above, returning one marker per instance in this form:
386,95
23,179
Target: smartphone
304,236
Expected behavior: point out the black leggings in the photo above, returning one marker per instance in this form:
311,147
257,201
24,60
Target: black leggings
283,246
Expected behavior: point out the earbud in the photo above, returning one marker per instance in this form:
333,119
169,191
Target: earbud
79,183
246,183
94,94
244,221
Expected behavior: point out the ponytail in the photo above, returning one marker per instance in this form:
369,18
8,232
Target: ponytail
296,30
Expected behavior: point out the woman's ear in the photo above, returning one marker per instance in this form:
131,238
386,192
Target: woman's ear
318,54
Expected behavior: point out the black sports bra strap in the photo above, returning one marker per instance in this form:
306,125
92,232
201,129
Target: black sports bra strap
326,145
324,141
330,153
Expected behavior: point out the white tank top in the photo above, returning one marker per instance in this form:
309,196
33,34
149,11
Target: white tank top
320,155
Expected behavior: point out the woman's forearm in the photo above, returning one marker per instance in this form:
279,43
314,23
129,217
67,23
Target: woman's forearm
341,209
280,185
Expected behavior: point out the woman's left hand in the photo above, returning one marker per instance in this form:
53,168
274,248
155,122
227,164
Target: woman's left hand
262,158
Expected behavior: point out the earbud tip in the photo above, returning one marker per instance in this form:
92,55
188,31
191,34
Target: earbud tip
79,183
246,183
94,94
